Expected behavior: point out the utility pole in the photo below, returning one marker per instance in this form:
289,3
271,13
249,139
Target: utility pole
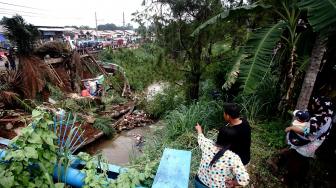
96,25
124,22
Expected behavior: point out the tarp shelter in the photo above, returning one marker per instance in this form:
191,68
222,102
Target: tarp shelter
92,84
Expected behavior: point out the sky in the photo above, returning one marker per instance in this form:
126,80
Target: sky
71,12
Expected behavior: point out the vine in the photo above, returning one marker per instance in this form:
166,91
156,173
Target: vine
126,179
29,158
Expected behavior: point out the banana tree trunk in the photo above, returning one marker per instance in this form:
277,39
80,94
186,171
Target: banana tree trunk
311,74
193,77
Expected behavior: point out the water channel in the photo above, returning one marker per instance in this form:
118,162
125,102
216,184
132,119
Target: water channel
121,148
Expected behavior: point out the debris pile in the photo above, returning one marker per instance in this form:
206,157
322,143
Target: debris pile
135,119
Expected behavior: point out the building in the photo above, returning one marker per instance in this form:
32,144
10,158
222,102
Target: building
50,33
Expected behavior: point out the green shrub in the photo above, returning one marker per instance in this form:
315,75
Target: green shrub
105,125
143,66
168,100
184,118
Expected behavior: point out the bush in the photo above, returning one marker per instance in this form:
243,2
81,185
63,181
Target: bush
143,66
183,119
163,102
105,125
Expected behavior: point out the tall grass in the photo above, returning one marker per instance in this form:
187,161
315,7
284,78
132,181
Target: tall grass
170,98
184,118
144,65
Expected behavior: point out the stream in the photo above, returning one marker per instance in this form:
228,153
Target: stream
120,149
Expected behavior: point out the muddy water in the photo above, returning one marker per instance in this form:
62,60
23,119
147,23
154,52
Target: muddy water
121,148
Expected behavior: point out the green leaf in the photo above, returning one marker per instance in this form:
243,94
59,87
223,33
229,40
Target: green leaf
260,49
48,139
7,181
232,76
35,139
30,153
321,13
36,113
228,14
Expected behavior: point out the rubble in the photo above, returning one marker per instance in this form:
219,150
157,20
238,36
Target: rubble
130,121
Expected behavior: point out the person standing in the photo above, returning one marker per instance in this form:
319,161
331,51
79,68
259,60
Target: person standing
11,59
5,60
242,144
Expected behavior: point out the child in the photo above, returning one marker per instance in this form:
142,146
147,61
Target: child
300,127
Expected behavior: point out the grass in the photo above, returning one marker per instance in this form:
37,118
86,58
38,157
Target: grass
170,98
179,133
143,66
267,139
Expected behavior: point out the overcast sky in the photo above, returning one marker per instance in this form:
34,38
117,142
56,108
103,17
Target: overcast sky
71,12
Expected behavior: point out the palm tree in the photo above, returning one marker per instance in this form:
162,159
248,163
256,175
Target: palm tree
34,72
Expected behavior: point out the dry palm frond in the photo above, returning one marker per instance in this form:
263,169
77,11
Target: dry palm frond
12,78
9,83
35,76
8,96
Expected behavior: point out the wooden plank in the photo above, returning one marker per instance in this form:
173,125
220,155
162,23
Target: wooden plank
174,169
53,60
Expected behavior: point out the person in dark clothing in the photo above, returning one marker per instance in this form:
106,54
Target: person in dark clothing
241,145
5,60
11,59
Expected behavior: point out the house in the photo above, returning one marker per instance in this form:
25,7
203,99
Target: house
50,33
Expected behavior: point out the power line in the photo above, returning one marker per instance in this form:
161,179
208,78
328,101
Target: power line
17,11
11,14
23,6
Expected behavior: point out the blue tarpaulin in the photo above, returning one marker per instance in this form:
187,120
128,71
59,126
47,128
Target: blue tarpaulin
2,38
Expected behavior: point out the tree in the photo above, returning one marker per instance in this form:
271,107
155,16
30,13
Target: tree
33,71
180,20
323,25
21,34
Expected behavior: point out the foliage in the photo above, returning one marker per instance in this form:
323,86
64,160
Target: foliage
229,14
20,33
129,177
184,118
92,178
132,177
9,83
112,26
143,66
76,105
105,125
321,14
55,92
232,76
33,150
267,138
260,49
168,100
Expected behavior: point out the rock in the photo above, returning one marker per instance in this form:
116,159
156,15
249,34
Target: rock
9,126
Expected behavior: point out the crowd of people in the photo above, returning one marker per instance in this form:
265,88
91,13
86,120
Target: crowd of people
224,162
